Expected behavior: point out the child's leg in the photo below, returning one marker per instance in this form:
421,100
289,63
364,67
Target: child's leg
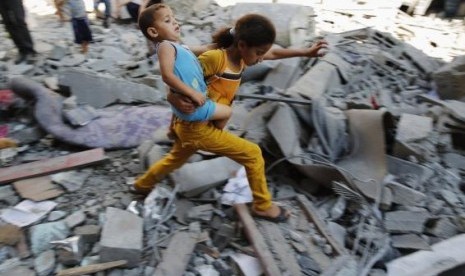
221,115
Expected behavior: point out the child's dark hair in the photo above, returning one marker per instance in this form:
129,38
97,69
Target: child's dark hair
146,18
153,2
253,29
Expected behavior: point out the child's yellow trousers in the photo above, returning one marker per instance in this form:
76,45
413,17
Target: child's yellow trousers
194,136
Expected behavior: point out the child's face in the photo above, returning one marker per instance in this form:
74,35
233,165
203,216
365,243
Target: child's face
252,55
165,26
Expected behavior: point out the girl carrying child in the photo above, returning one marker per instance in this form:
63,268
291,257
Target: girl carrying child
248,43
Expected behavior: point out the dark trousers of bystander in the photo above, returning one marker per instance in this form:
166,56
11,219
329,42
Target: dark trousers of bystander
13,16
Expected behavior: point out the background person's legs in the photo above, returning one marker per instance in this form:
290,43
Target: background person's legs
13,15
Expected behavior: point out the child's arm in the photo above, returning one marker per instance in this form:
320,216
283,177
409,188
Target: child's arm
279,53
200,49
166,57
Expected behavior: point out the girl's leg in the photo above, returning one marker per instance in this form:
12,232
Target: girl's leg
221,115
209,138
173,160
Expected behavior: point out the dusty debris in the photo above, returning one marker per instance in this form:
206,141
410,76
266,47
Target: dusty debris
364,148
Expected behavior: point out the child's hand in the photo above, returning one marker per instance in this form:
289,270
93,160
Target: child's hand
318,49
198,98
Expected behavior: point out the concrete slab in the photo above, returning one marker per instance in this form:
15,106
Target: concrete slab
194,179
444,255
413,127
110,90
405,221
121,237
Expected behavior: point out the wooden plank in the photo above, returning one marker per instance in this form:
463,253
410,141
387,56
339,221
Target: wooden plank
51,165
178,254
256,239
312,215
280,247
91,268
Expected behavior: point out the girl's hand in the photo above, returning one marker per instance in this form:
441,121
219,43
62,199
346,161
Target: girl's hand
317,50
181,102
198,98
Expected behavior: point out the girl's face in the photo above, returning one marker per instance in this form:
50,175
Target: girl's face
254,54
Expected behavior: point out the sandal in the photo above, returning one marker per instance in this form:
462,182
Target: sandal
280,218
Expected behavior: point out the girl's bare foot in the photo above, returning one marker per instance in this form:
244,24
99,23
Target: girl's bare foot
275,213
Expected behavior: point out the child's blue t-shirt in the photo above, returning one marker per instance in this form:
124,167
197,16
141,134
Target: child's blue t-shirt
187,68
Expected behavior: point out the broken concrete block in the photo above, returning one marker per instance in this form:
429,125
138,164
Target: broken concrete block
285,128
413,127
442,228
194,180
10,234
43,234
202,213
319,79
406,221
294,23
121,238
404,195
223,236
409,241
44,264
283,75
75,219
443,256
178,253
450,79
111,90
89,233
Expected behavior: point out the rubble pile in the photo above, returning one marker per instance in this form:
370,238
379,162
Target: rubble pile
364,146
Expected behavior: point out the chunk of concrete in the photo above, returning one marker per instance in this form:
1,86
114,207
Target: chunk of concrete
283,75
443,256
196,178
313,84
406,221
409,241
413,127
442,228
110,90
404,195
121,238
450,79
43,234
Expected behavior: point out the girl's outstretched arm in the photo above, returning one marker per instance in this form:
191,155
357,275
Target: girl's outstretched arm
312,51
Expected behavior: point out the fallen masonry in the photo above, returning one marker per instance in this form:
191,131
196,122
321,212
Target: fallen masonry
364,145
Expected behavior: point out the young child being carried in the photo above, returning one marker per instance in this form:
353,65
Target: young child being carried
248,43
180,68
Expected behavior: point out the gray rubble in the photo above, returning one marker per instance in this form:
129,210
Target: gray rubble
372,134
